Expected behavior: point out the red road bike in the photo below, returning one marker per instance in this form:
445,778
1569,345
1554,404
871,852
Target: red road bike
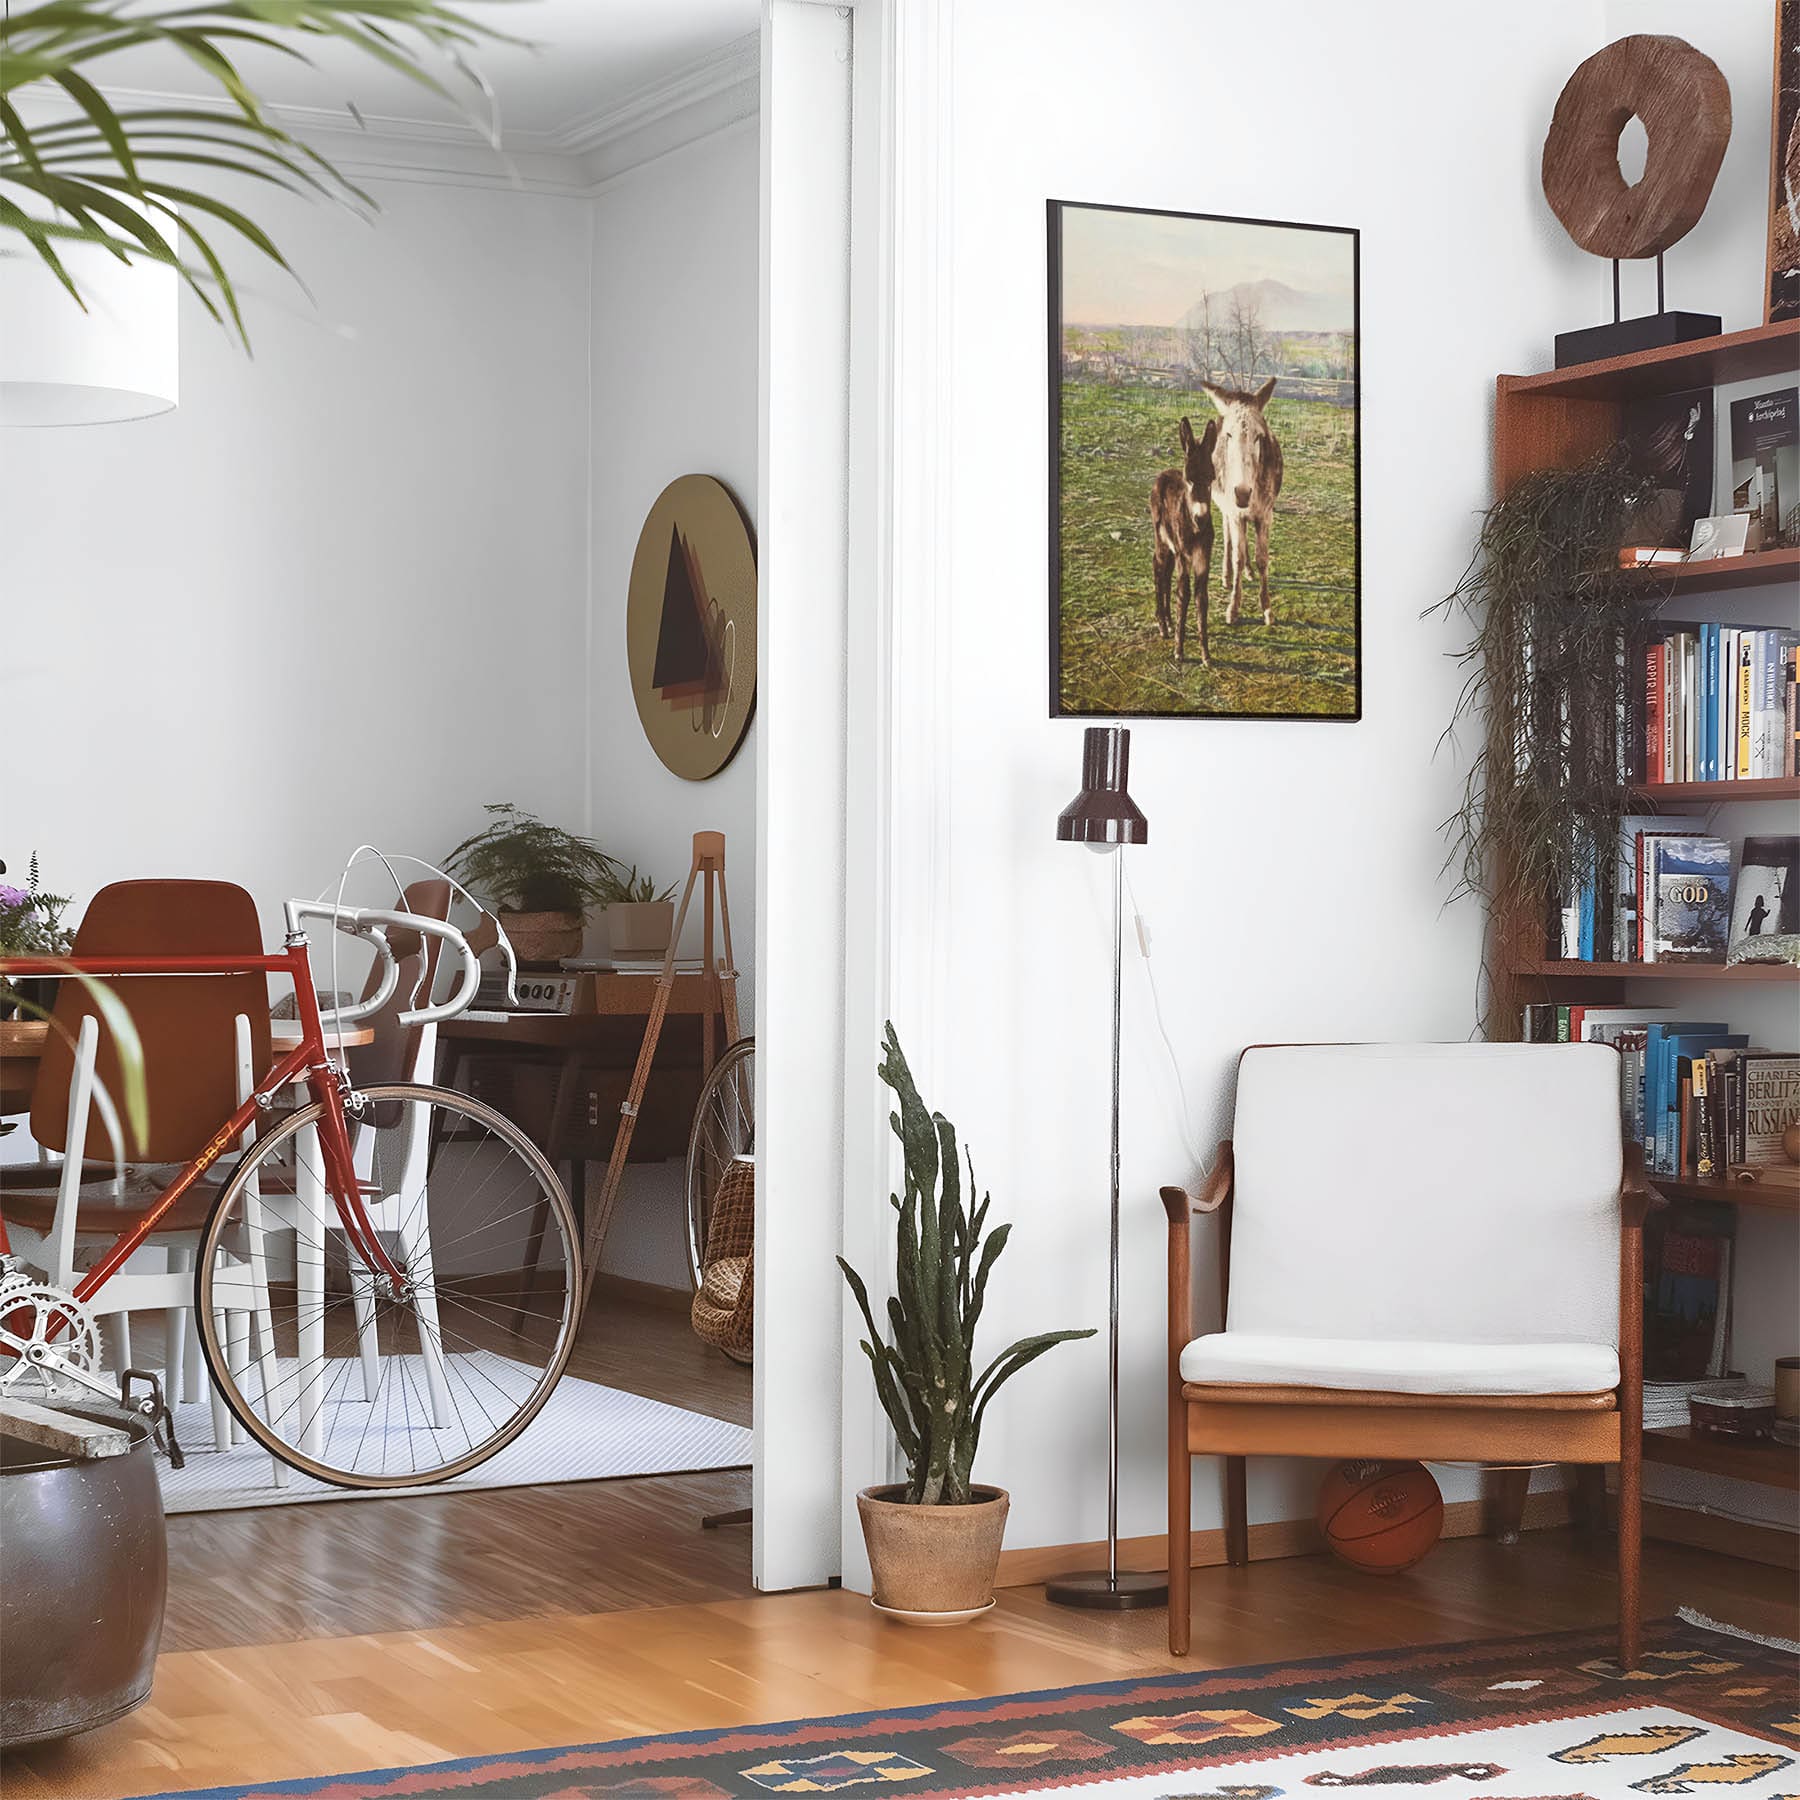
387,1280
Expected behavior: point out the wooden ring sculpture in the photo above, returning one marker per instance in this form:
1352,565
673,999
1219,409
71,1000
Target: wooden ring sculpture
1685,105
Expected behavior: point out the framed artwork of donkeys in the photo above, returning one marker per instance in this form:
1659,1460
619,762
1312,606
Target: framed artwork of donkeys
1205,466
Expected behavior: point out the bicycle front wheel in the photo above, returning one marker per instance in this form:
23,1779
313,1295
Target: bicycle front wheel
358,1379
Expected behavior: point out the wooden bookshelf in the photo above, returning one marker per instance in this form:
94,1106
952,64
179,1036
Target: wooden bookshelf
1765,1197
1712,793
1558,420
1757,568
1762,351
1550,970
1743,1459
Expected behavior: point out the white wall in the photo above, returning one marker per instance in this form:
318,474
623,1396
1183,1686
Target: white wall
1292,879
674,347
376,528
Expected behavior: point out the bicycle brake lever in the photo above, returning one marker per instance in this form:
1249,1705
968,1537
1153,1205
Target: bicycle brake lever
156,1409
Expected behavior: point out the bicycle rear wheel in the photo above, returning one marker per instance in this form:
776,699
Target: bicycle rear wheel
348,1376
724,1127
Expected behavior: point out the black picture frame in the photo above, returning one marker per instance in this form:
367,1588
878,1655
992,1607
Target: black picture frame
1351,712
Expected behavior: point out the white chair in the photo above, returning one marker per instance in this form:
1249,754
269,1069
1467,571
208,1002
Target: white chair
201,1040
1426,1251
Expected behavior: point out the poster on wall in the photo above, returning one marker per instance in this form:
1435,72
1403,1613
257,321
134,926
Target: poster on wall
1205,554
1784,168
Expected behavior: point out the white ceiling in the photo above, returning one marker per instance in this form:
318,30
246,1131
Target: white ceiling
588,60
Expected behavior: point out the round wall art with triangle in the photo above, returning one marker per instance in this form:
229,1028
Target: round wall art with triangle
690,626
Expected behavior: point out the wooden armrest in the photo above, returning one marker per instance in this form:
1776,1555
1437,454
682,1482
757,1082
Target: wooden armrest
1179,1204
1636,1196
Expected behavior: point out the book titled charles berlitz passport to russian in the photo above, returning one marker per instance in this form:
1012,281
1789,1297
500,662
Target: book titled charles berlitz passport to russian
1771,1101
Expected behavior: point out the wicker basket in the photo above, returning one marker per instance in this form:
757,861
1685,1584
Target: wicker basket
722,1312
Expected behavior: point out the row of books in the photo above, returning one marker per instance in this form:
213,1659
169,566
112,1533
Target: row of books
1677,894
1699,1097
1718,704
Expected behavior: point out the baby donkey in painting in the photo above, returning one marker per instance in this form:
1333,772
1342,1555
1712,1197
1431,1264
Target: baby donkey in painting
1181,522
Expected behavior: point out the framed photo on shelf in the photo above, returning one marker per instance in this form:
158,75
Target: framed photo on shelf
1205,466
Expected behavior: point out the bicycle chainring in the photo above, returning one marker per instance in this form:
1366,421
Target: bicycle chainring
34,1312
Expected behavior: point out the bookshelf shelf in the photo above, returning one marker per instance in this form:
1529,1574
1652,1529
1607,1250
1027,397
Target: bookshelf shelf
1770,1198
1655,971
1777,787
1758,1460
1764,350
1759,568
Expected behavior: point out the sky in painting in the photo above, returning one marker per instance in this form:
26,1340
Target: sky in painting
1125,268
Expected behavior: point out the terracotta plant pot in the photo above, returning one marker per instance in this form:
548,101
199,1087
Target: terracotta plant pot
640,928
933,1564
541,940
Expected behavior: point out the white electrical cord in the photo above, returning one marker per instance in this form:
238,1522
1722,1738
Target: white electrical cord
1184,1117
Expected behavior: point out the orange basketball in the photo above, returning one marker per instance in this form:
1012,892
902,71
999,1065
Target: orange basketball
1380,1517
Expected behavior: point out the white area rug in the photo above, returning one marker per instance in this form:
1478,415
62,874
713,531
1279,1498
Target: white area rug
586,1432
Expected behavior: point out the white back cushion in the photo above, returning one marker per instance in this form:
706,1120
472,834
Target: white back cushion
1457,1192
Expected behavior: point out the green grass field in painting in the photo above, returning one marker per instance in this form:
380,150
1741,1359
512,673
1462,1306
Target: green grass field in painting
1115,441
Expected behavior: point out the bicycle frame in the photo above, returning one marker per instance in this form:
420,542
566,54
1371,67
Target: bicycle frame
308,1060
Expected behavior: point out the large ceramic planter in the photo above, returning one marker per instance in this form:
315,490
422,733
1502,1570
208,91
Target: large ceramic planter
933,1565
81,1599
640,928
542,939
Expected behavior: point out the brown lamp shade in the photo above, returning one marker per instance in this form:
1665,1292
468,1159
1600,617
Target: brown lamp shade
1103,812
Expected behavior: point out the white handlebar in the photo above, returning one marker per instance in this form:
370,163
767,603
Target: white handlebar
373,924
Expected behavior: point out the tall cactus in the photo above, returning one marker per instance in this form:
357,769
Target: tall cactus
925,1374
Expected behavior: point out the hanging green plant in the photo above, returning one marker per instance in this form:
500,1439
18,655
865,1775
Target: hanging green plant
1549,679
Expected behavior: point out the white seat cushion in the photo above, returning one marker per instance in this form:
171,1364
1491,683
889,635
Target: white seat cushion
1393,1366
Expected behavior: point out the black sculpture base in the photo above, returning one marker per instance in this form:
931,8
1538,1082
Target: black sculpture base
1625,337
1094,1590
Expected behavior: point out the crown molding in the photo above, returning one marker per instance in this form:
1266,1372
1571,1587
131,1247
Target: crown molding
722,73
704,97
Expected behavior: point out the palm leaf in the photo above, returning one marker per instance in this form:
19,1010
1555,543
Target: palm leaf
80,167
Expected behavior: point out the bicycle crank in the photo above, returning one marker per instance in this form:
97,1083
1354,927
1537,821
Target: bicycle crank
47,1336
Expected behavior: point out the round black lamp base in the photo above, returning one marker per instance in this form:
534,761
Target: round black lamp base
1093,1589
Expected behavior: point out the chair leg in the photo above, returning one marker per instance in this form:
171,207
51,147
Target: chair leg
1590,1499
1630,1554
175,1329
1181,1535
1506,1502
1237,1512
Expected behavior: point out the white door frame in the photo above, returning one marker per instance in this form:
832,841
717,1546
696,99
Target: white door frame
852,811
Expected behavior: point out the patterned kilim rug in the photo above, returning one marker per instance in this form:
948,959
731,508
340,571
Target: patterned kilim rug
1544,1718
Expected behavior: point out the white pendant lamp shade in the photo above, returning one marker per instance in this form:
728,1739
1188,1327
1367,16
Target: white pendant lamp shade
61,366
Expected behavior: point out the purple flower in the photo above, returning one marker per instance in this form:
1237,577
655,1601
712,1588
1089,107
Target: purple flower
13,897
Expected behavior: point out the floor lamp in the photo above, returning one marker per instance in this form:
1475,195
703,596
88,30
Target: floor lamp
1104,817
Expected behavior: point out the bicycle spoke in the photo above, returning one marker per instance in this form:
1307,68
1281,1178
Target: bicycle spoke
371,1384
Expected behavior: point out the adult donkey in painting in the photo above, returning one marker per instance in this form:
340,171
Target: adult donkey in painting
1182,528
1246,479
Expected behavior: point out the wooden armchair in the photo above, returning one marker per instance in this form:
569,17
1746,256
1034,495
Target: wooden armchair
1429,1251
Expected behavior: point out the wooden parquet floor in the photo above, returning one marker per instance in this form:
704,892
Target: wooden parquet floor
330,1705
315,1640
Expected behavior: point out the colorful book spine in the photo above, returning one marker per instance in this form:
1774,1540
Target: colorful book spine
1653,714
1745,640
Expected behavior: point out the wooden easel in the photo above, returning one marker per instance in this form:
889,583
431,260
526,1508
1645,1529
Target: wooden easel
708,871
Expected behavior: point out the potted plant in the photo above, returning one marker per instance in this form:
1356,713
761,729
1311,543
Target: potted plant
30,925
1548,682
934,1539
542,878
639,920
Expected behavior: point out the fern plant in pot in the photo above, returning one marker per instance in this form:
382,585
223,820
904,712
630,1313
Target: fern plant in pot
542,878
934,1539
